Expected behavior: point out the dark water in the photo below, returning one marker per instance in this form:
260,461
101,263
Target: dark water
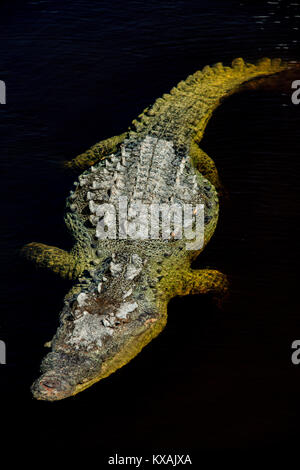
77,72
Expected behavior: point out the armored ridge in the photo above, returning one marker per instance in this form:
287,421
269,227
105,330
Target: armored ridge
123,285
182,115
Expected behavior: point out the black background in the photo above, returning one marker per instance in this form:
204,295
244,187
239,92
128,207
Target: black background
77,72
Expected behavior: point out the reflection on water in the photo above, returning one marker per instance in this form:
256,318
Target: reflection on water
285,15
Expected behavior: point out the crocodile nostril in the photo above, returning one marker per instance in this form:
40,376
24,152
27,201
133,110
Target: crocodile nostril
47,386
50,384
53,384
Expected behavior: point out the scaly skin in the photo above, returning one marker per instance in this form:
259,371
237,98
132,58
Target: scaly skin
119,301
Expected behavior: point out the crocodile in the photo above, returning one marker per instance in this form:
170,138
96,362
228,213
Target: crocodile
122,285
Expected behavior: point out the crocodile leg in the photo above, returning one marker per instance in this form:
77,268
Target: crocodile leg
55,259
96,153
204,281
205,165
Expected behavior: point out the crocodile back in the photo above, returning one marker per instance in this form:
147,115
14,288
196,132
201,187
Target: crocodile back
148,171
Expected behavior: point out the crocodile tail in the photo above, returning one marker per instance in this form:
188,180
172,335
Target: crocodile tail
183,114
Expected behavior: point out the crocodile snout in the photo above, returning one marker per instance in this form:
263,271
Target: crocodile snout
51,387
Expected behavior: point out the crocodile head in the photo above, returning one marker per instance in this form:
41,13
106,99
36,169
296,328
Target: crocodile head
101,328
